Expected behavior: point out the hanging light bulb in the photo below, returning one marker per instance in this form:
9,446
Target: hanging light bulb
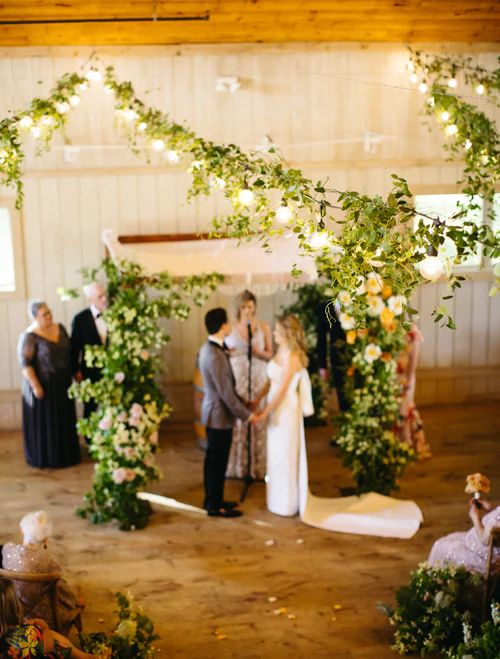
445,115
410,66
75,100
467,145
431,101
245,197
284,213
452,129
414,78
108,89
319,240
480,89
93,74
143,125
62,107
48,120
158,145
452,82
219,183
172,156
197,164
83,86
130,114
36,131
423,87
431,267
26,121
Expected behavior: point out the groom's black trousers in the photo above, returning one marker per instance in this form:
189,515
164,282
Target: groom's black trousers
216,459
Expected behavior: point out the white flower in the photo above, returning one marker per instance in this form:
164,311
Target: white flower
372,353
344,298
127,629
129,315
375,306
119,377
347,322
397,304
373,283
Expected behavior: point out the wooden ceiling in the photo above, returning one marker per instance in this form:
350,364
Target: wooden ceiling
246,21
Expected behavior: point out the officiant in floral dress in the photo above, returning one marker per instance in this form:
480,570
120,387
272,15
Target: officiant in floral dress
262,351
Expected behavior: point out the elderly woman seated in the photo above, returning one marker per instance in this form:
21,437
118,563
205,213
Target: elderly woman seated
32,557
470,549
33,639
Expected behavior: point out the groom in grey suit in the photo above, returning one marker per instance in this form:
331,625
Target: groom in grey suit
221,406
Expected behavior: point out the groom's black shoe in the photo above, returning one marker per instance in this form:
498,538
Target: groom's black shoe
223,512
229,504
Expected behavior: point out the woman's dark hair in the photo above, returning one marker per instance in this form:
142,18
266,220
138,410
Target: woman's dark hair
34,307
241,299
215,319
11,613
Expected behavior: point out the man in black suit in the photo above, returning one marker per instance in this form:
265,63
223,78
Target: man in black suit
88,329
328,328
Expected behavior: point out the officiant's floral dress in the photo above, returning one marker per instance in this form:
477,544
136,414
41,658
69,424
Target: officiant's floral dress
238,459
26,642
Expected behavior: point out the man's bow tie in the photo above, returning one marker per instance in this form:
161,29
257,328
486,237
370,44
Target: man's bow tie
98,315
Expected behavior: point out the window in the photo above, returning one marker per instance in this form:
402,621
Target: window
445,206
11,252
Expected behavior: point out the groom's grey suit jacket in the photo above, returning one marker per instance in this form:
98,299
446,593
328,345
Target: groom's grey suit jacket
221,404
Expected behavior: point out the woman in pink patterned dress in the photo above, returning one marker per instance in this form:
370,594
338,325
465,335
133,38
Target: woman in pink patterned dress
262,352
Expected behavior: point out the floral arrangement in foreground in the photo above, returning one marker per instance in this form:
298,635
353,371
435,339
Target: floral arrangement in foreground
310,298
133,637
365,433
434,609
483,645
124,429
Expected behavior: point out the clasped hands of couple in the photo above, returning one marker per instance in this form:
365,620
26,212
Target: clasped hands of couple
256,417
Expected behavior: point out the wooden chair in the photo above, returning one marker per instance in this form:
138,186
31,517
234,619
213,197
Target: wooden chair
48,585
492,576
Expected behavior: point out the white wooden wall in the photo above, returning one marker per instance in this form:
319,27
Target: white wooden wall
295,97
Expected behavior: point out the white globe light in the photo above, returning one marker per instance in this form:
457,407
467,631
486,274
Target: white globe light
93,74
143,125
431,102
158,145
452,129
36,131
414,78
284,215
108,89
422,87
83,86
48,120
62,107
467,144
75,100
445,115
245,197
431,268
172,156
319,240
219,183
26,121
480,89
452,82
410,66
130,114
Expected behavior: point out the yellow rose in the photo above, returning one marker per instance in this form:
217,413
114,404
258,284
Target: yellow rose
386,292
350,336
386,316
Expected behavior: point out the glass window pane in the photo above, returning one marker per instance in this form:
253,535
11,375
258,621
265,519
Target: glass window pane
7,268
444,206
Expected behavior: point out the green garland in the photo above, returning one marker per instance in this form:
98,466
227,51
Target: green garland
124,430
309,299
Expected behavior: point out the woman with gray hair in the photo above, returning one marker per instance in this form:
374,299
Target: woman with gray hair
49,416
32,557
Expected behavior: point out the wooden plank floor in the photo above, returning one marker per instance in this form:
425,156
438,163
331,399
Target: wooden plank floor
196,575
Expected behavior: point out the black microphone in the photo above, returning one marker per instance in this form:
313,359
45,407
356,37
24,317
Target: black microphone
249,340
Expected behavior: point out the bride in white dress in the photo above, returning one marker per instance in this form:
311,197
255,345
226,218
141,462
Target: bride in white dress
289,399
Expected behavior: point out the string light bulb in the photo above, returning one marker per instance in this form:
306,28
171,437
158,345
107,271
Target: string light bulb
480,89
219,183
172,156
414,78
467,145
284,213
452,129
108,89
410,66
36,131
26,121
130,114
431,267
445,115
62,107
48,120
319,240
423,87
245,197
143,125
431,102
93,74
158,145
83,86
75,100
452,82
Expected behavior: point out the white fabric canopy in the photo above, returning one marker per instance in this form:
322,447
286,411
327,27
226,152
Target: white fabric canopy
242,264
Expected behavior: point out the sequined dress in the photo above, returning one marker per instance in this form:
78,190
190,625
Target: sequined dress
466,548
49,423
238,458
37,560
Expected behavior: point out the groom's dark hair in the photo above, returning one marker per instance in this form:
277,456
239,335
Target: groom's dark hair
215,319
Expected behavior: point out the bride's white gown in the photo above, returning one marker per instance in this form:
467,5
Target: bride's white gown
287,478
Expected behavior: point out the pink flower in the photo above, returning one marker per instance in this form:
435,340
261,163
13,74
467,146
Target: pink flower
105,423
122,417
119,377
118,448
144,355
129,452
154,438
120,475
130,475
134,421
136,410
149,462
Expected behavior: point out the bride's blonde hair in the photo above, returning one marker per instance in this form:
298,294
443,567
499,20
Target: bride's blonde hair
294,336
